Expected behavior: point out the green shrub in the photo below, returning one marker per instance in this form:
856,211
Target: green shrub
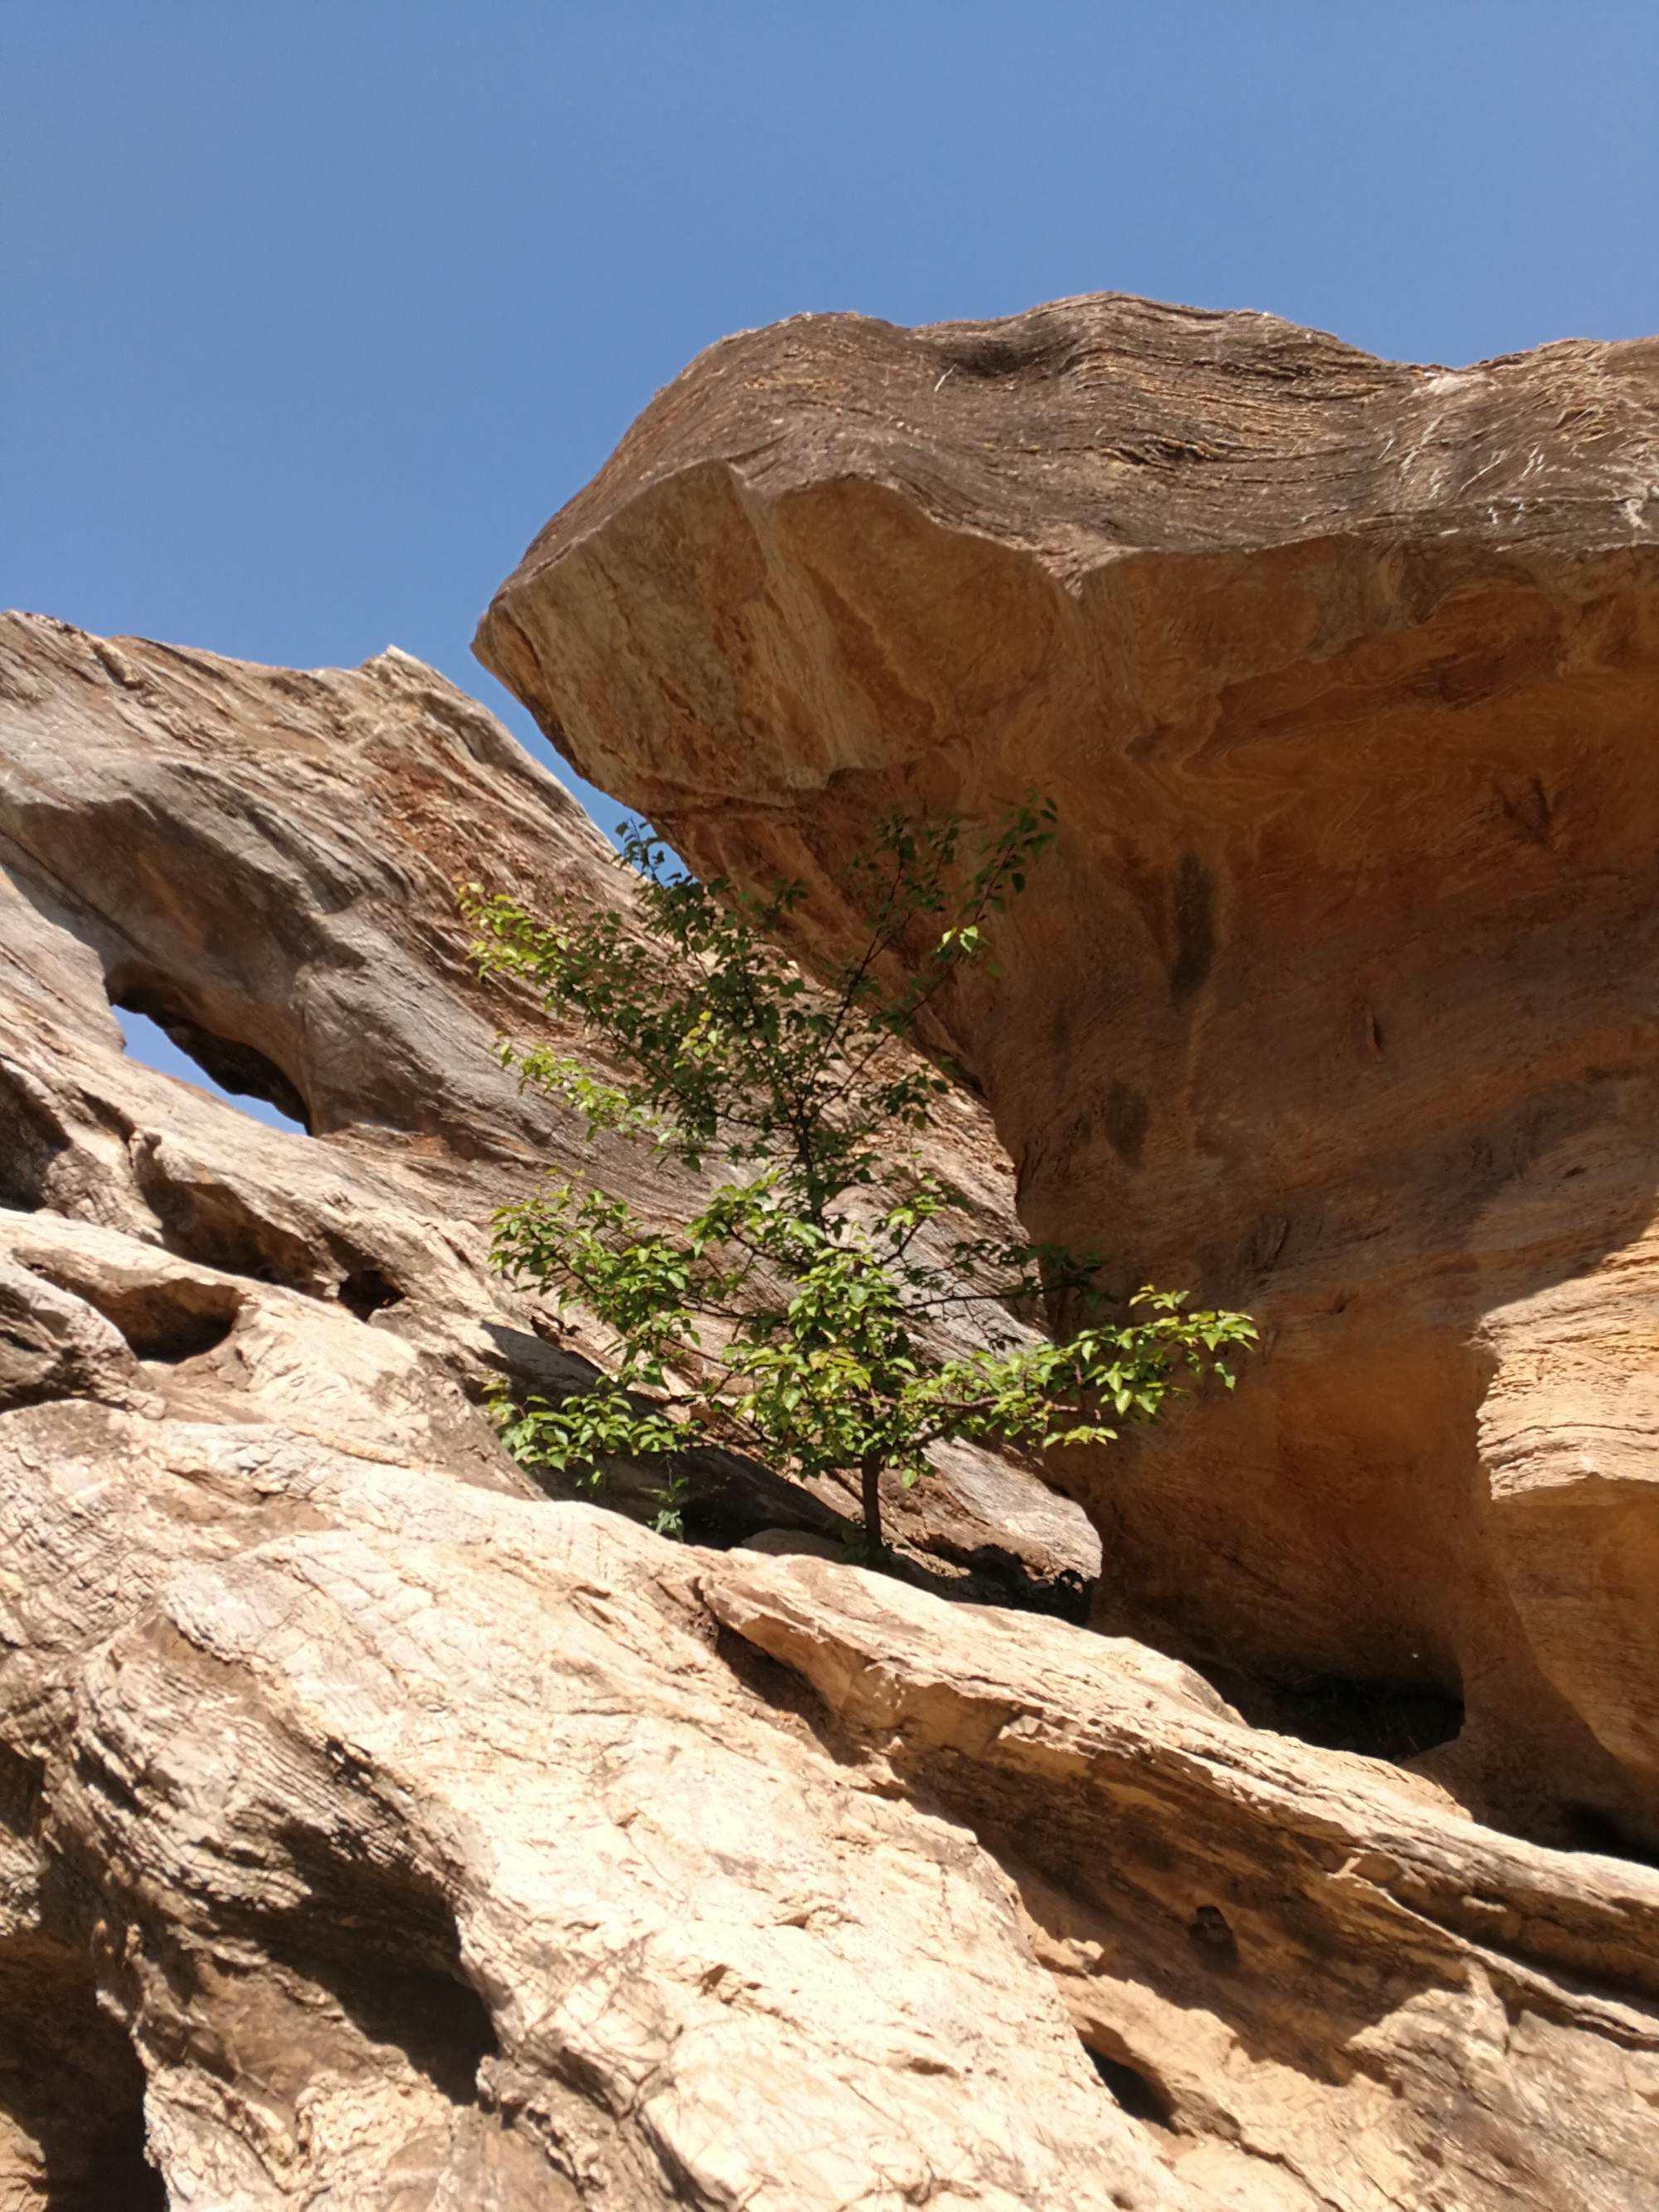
791,1317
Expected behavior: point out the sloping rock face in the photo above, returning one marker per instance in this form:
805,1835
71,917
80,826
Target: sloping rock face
377,1839
1335,1002
266,861
375,1833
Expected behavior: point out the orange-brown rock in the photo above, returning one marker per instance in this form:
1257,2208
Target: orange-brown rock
378,1835
1337,999
265,860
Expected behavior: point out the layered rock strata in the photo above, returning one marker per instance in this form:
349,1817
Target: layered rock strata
375,1833
264,861
377,1839
1336,1000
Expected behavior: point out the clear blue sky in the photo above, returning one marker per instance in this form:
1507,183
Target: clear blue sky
314,312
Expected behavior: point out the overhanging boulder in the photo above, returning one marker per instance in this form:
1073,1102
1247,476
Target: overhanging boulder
1337,999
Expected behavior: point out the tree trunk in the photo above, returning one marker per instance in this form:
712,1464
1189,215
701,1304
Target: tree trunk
870,1483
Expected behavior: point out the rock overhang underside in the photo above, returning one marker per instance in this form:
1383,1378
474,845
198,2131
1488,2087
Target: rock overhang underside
1334,1000
377,1830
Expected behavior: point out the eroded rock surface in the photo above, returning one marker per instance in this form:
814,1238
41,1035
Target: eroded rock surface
376,1832
1336,1000
264,860
382,1839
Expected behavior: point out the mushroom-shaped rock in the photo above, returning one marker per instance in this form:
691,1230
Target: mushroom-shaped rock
1336,999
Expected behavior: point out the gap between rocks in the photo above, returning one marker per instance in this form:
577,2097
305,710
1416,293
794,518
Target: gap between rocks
159,1030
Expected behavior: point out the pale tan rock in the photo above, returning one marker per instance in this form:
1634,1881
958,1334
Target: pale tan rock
376,1836
450,1849
1317,1977
266,860
1335,1000
221,1346
423,1813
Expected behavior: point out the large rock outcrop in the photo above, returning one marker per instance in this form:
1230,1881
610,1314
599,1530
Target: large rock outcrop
376,1833
1336,1000
264,860
379,1839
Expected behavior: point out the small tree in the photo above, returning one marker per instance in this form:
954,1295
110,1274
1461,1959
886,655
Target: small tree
796,1316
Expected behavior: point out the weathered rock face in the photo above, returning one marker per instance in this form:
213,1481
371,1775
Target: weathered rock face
377,1833
265,861
428,1847
1336,1000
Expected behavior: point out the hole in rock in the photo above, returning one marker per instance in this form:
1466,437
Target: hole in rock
1395,1721
1587,1828
173,1322
1210,1933
22,1782
118,2171
158,1032
70,2087
441,2026
366,1292
1137,2094
382,1941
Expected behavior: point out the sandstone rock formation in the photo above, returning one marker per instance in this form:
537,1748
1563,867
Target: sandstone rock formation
1336,1000
375,1833
265,862
402,1843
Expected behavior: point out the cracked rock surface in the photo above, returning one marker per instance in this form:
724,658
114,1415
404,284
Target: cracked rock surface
375,1836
